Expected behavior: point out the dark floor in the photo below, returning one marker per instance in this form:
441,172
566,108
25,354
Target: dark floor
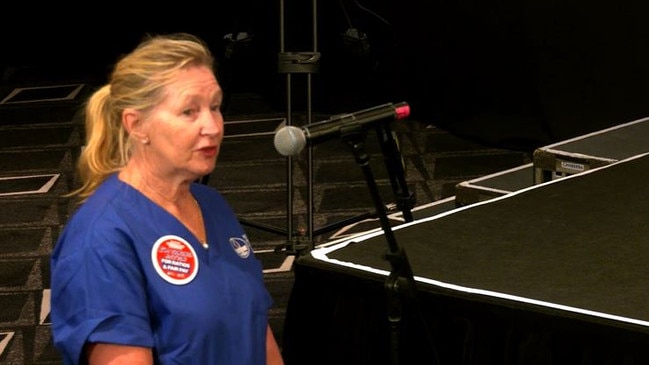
40,138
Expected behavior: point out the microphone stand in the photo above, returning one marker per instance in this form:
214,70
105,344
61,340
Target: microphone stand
400,284
392,157
405,200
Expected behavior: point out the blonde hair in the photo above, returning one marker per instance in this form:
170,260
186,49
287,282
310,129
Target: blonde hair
137,81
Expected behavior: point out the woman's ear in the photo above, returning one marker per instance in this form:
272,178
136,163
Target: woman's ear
132,122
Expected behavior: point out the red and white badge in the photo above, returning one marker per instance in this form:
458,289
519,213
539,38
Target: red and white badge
174,259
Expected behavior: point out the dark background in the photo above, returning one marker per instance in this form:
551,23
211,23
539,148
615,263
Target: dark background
515,74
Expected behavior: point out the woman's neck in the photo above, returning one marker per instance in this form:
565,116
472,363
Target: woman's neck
163,191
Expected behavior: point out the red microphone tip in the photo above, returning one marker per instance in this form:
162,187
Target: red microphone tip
403,111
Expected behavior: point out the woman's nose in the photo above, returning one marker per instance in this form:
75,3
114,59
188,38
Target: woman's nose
212,124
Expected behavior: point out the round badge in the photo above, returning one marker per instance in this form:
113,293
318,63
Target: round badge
174,259
241,246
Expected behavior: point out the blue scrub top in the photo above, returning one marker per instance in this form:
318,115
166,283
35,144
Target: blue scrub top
125,271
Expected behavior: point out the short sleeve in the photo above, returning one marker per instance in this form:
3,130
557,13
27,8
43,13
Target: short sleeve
98,291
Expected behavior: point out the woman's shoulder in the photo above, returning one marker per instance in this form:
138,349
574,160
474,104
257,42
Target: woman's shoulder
106,193
212,198
207,192
95,221
109,197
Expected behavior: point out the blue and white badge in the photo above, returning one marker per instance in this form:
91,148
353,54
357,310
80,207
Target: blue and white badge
241,246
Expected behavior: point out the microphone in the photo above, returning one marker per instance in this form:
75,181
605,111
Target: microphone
290,140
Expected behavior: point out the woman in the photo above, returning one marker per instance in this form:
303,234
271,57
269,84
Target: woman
154,268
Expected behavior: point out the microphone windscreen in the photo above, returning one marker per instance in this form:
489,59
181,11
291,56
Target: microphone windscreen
289,140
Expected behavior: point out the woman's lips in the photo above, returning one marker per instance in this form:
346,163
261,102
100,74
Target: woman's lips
208,151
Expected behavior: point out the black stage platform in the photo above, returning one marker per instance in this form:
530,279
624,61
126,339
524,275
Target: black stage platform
557,273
